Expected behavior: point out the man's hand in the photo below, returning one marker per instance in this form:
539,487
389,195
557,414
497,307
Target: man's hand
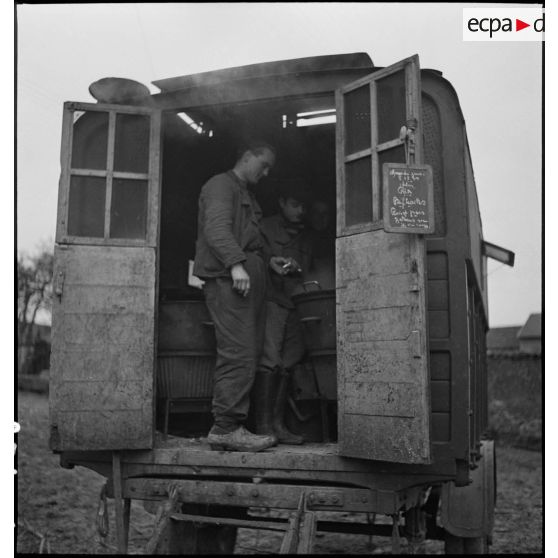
293,266
277,263
283,266
241,279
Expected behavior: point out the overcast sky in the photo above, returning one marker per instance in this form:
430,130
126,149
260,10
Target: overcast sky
63,48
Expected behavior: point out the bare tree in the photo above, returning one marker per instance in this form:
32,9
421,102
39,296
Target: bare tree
34,282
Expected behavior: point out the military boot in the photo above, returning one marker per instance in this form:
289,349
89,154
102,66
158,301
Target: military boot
239,440
284,436
263,399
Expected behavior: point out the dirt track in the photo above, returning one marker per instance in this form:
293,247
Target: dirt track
56,508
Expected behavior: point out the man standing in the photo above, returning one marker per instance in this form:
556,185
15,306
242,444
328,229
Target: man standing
283,344
229,259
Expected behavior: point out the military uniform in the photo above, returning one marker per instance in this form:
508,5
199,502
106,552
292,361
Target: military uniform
229,233
283,346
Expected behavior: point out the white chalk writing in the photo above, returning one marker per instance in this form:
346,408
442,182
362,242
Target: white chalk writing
407,197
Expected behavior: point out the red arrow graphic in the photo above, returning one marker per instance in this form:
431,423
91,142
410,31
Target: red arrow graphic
519,25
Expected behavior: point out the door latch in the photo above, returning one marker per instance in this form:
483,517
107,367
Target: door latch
59,284
407,136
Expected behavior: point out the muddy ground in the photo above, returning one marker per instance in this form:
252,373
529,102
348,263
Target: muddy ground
57,508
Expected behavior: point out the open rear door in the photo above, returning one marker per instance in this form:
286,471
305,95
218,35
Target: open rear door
382,352
103,336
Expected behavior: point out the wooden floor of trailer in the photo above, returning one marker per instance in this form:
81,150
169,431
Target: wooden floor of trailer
307,463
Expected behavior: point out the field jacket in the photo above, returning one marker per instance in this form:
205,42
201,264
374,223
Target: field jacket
228,226
283,239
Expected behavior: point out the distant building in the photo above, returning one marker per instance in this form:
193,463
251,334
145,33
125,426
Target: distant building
514,363
516,340
530,336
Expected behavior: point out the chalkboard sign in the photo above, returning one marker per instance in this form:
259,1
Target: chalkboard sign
408,198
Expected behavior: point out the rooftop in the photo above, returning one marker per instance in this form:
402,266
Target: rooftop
516,339
532,327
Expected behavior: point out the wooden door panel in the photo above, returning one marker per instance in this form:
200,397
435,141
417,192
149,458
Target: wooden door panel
386,438
80,365
103,327
103,348
382,352
382,399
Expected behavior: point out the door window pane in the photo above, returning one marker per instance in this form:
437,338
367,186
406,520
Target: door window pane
131,150
128,212
392,107
358,192
86,215
393,155
357,120
89,141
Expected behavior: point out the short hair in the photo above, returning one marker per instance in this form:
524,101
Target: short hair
294,188
255,146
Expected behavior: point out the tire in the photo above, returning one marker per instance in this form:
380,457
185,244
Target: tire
453,544
465,545
476,545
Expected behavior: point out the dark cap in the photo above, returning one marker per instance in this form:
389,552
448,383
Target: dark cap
294,188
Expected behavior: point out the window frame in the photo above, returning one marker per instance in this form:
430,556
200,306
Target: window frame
413,94
151,177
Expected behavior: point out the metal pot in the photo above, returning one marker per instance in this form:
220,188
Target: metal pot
185,325
317,313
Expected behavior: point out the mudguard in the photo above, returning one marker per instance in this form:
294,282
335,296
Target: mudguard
468,511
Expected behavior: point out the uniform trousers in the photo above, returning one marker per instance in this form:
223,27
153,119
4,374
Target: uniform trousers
239,327
284,342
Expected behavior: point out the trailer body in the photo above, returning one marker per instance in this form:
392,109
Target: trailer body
131,339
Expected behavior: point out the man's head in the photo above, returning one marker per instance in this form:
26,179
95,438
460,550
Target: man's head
318,215
255,159
293,198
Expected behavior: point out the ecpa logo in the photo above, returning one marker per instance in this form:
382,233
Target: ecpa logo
503,24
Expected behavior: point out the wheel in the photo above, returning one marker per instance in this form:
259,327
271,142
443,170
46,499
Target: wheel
453,544
469,510
465,545
476,545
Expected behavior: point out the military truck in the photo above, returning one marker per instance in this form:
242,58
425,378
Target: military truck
392,395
